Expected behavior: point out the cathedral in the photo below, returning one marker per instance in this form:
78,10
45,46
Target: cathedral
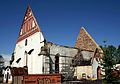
39,56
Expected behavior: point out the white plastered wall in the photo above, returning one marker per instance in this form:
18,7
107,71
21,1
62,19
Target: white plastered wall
35,62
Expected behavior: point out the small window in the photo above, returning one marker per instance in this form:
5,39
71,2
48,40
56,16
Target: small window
21,32
18,60
57,63
33,24
26,42
30,51
84,75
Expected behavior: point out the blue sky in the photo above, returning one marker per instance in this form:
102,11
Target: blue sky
60,20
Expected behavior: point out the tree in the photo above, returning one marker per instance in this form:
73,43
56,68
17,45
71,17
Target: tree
1,64
108,63
117,54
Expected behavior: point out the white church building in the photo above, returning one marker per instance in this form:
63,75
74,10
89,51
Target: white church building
28,46
41,57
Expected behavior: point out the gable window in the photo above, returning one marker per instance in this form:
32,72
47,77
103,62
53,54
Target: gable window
21,32
33,24
26,42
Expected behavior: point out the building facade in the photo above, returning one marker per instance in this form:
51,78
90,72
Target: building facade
28,46
42,57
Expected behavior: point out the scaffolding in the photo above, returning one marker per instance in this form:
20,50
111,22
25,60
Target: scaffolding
65,65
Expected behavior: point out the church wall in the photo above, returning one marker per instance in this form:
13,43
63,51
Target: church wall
87,55
94,68
34,61
86,70
66,55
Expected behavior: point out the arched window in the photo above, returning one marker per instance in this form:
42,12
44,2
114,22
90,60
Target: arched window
33,24
26,42
26,58
57,63
21,32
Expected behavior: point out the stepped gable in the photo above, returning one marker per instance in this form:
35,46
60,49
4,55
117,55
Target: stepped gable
86,42
29,25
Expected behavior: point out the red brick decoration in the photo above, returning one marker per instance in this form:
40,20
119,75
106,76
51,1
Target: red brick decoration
29,25
85,41
42,79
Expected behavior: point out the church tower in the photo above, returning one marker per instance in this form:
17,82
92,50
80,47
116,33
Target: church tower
28,45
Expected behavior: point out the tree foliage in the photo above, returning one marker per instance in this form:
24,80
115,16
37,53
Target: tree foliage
1,64
110,59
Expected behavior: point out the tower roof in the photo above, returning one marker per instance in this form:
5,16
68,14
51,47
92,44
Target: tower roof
29,25
85,41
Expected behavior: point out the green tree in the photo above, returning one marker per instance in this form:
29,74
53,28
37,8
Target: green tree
117,54
108,63
1,64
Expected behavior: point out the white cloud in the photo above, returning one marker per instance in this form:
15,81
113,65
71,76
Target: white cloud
7,58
